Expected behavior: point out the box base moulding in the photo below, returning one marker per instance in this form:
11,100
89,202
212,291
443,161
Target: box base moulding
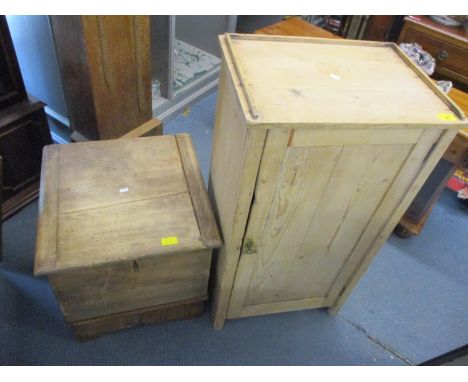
93,328
22,199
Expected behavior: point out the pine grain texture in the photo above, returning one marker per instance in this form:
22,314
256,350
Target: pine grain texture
308,192
125,231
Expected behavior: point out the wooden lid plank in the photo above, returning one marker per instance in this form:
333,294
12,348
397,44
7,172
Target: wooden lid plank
201,204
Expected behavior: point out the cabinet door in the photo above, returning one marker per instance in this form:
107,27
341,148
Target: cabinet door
322,197
11,83
21,144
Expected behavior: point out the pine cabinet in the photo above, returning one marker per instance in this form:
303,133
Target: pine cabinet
319,147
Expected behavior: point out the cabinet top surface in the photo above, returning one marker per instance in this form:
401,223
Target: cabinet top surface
302,80
425,21
115,200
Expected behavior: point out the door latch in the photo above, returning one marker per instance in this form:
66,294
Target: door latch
248,247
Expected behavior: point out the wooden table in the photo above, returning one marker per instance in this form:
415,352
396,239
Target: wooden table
417,214
296,27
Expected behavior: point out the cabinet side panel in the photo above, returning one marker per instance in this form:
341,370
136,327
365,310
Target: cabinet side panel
234,165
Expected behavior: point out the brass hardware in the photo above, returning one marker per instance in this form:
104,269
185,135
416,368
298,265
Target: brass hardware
248,247
441,56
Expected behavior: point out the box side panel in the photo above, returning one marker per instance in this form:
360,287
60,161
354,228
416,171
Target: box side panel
125,286
46,238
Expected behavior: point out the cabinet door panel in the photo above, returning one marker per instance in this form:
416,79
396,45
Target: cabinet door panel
11,83
21,146
312,204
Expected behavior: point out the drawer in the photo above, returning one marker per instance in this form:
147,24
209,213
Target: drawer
451,60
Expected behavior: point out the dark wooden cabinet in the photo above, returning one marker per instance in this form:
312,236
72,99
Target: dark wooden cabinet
11,83
448,46
1,198
23,132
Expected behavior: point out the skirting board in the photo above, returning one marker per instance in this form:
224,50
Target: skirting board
166,113
61,120
58,117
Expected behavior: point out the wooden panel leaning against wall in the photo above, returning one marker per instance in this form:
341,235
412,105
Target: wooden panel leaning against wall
106,72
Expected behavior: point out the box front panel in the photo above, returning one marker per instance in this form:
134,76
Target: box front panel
317,193
126,286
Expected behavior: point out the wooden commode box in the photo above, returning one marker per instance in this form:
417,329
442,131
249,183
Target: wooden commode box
125,232
319,147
